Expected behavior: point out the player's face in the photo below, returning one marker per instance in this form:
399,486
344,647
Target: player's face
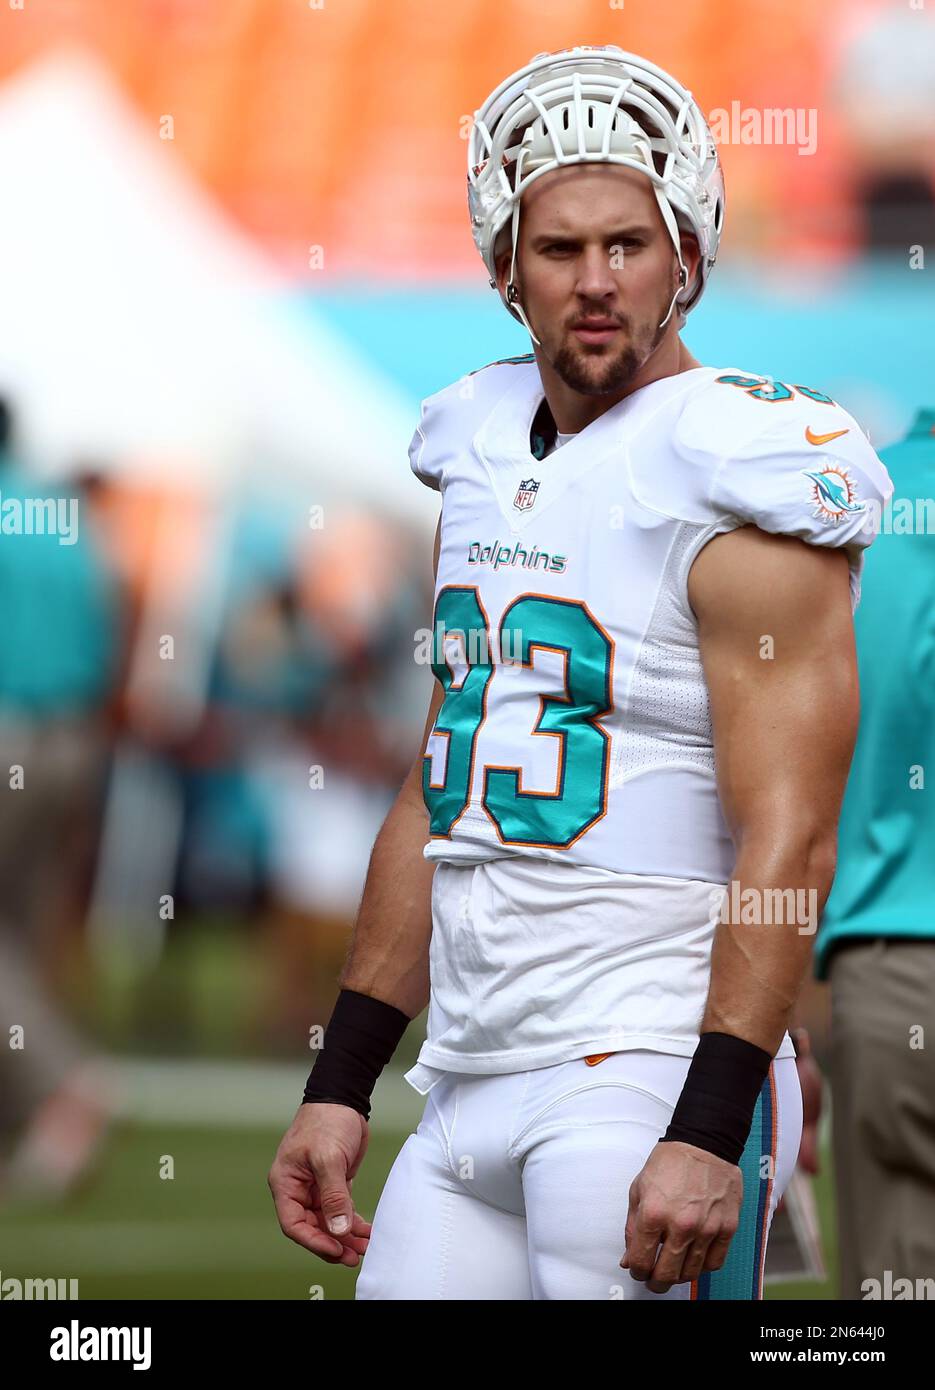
596,271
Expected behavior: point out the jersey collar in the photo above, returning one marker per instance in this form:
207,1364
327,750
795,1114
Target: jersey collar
502,443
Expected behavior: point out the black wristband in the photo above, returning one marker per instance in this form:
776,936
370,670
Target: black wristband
360,1039
715,1109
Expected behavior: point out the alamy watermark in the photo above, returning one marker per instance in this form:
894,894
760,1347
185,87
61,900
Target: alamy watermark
441,646
893,1287
37,1290
40,516
901,516
753,125
765,907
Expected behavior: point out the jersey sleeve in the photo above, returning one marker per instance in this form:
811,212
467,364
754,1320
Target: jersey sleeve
420,460
451,416
426,448
818,481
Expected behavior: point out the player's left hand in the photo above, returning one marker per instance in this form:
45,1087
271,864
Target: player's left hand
684,1210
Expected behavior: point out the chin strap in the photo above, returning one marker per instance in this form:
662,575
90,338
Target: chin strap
512,299
683,281
512,293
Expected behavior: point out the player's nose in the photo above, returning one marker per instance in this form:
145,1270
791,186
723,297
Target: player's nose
595,274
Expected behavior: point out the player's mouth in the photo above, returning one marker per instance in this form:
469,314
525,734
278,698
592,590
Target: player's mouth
595,331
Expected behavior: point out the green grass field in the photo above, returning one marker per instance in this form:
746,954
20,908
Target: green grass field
209,1232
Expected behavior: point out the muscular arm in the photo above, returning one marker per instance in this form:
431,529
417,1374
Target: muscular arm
389,952
777,645
776,641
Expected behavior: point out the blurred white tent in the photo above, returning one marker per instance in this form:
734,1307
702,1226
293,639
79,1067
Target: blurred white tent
141,332
140,329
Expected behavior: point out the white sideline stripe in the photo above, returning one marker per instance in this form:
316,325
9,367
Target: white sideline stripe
239,1095
147,1247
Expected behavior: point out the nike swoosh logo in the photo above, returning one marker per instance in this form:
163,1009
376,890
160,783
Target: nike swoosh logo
823,438
596,1057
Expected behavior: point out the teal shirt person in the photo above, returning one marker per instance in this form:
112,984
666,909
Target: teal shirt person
885,880
60,607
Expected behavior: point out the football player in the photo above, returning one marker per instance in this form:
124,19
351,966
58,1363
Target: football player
645,696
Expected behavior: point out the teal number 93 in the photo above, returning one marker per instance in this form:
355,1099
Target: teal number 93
533,622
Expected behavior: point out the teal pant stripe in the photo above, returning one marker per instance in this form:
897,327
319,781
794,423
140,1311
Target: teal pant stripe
739,1276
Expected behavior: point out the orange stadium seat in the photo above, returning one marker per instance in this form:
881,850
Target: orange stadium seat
339,127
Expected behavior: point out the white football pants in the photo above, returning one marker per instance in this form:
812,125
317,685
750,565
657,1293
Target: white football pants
516,1186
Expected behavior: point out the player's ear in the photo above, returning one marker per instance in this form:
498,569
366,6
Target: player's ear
691,257
503,253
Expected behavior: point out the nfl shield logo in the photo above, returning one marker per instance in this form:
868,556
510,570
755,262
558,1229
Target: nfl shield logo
525,495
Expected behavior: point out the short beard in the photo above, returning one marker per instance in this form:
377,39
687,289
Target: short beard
618,372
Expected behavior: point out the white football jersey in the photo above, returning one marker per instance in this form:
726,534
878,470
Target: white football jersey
576,725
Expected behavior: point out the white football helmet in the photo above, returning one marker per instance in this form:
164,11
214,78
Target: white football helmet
595,104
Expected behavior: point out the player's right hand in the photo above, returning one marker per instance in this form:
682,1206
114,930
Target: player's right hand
311,1180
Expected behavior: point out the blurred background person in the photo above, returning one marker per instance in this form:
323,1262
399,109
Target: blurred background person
884,91
58,660
329,782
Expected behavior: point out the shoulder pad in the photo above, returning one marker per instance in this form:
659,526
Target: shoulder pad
749,450
787,459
